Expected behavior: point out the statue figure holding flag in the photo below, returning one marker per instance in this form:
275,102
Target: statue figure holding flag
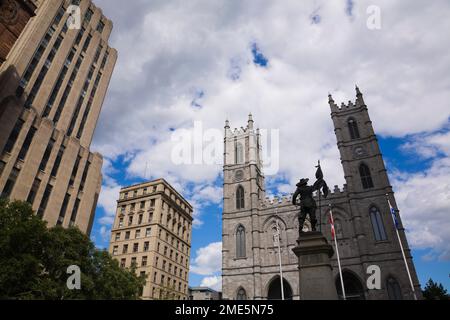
307,203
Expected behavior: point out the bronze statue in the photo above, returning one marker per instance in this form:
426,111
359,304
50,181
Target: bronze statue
307,203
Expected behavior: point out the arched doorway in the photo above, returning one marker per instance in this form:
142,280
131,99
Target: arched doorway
353,287
274,292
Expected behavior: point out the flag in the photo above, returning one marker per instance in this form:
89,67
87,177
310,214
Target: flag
332,225
394,215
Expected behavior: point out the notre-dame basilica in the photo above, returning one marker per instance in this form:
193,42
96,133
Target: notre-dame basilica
364,227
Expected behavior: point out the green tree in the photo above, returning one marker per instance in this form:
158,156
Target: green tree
434,291
34,261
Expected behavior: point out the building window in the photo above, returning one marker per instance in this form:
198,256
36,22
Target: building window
47,154
140,219
127,235
241,294
33,191
122,262
138,234
130,220
117,236
100,26
239,153
125,248
147,232
133,262
144,261
120,222
146,245
26,144
240,242
73,216
44,201
62,213
13,136
74,171
152,203
135,247
89,14
84,177
353,128
115,250
240,198
377,224
142,205
393,289
366,178
10,183
58,161
132,207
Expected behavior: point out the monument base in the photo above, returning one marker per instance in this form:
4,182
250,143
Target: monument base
315,270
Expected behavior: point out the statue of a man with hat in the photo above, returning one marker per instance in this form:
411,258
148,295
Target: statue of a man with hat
307,203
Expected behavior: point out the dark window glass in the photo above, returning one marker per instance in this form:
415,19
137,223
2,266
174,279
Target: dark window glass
240,242
353,129
86,43
105,57
33,191
2,166
62,213
240,198
89,14
366,178
100,26
79,36
47,154
13,136
85,173
44,201
393,289
58,161
10,183
26,144
74,171
377,224
241,294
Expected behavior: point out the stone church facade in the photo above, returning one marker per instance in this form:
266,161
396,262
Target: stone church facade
364,227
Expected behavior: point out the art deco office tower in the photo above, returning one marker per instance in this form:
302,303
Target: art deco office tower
53,81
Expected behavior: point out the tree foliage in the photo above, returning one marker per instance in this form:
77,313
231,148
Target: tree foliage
34,261
434,291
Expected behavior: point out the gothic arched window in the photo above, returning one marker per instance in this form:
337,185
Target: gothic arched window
377,224
366,178
239,153
240,242
393,289
240,204
353,128
241,294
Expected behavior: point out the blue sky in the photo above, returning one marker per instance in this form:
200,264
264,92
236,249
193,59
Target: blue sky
182,63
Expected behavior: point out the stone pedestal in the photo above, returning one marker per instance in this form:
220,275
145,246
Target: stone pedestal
315,270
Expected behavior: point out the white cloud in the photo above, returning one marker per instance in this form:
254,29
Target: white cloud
424,200
208,259
214,282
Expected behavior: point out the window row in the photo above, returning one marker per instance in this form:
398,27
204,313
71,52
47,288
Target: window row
140,205
137,234
173,255
169,283
173,269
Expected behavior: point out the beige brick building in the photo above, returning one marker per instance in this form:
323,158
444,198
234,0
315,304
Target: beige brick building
52,86
152,231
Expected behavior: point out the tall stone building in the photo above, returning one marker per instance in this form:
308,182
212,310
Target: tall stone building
152,231
52,86
364,227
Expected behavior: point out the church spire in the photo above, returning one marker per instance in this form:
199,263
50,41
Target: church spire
250,122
